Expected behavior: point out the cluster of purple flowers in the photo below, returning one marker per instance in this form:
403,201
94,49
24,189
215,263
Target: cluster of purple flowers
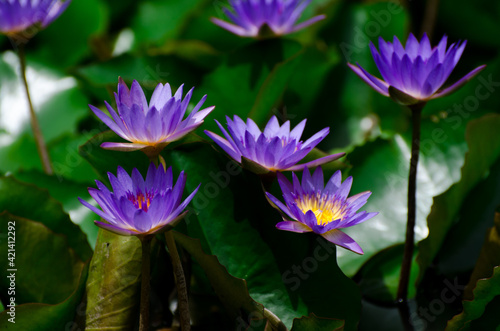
412,74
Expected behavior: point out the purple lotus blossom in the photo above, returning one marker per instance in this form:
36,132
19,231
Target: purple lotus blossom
18,15
150,127
257,18
415,73
313,207
139,207
275,149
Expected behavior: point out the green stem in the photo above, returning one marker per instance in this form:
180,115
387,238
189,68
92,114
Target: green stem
274,320
40,143
404,278
180,282
145,288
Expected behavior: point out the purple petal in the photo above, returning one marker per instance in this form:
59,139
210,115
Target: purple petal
360,218
425,50
433,81
441,48
398,48
461,82
142,221
341,239
345,188
115,229
97,211
371,80
280,205
315,163
412,46
293,226
230,27
124,147
308,22
225,145
297,131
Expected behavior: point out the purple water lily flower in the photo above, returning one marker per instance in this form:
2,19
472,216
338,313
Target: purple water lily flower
275,149
324,210
416,72
251,18
137,207
18,15
150,127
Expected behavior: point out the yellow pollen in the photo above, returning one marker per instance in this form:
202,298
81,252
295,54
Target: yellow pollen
142,202
326,211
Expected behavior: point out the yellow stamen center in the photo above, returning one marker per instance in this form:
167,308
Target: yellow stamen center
141,201
325,210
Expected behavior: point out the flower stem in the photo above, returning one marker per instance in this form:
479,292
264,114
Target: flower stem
145,288
180,282
276,323
404,279
40,143
429,22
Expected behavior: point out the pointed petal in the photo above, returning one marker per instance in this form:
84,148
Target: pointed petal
124,147
461,82
315,163
308,22
278,204
225,145
293,226
115,229
377,84
231,27
341,239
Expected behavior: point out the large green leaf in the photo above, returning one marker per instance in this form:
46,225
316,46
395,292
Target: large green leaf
484,150
28,201
113,285
45,267
44,317
485,291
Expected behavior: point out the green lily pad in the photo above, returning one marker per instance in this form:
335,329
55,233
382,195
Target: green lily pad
45,268
30,202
